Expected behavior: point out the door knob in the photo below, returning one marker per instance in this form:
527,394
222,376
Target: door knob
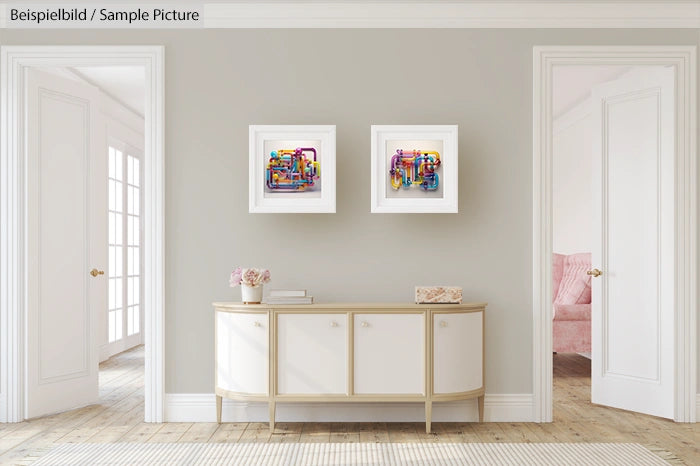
595,273
95,272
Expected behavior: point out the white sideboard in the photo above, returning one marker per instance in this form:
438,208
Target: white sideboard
349,352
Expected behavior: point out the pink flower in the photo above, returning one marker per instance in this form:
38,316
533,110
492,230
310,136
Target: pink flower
236,277
249,277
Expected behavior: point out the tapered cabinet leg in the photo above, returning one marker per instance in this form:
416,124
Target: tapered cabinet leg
272,416
218,409
428,415
481,408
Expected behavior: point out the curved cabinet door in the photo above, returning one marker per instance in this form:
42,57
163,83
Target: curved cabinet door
242,352
389,354
457,352
312,354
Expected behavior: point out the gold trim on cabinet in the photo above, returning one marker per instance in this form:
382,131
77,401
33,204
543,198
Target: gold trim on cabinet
340,398
241,396
428,369
272,365
351,354
345,307
457,396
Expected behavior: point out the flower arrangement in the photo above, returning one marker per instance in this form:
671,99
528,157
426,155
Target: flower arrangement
249,277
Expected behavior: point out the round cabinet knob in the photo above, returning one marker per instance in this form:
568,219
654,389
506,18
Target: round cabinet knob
256,324
443,323
334,324
365,324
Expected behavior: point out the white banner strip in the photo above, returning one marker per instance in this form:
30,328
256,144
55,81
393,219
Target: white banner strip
359,14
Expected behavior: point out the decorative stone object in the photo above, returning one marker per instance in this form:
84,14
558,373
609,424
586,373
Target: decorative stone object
439,294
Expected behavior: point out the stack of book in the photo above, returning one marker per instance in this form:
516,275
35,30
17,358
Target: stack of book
288,297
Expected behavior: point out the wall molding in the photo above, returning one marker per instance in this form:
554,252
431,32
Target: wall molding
201,407
683,58
13,304
464,14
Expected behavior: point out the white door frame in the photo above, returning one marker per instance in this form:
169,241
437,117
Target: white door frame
683,58
13,235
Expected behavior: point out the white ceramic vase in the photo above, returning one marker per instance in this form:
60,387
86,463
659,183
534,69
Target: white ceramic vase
251,294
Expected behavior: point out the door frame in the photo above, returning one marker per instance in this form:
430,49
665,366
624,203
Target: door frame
683,58
14,60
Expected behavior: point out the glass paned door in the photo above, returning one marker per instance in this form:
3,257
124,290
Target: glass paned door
116,244
133,216
124,309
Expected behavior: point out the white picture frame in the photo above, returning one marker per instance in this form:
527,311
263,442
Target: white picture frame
317,198
413,198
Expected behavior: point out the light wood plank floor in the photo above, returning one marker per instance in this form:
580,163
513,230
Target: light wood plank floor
119,418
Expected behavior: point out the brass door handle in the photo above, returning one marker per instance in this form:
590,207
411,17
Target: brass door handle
95,272
595,273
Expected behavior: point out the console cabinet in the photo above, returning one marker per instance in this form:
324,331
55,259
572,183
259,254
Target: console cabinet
349,352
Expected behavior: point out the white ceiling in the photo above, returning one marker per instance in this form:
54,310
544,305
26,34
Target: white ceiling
573,83
124,83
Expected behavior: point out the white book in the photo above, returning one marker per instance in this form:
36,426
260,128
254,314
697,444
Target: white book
289,300
287,293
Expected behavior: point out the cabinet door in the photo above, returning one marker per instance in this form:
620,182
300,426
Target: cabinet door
242,352
389,353
457,352
312,353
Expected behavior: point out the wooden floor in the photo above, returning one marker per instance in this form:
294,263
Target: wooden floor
119,418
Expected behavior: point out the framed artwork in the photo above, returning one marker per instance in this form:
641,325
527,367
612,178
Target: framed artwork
414,168
291,168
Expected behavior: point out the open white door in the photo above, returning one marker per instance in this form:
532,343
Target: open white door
633,243
67,230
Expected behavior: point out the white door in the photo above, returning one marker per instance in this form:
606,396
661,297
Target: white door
312,354
66,229
633,244
389,351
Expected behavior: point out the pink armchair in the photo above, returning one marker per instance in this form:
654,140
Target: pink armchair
571,294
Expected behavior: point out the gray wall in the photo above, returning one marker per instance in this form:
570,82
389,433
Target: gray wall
220,81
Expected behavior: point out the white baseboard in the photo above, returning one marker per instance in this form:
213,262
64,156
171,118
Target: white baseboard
697,407
201,407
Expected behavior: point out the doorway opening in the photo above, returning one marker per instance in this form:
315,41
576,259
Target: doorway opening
104,107
573,151
669,197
